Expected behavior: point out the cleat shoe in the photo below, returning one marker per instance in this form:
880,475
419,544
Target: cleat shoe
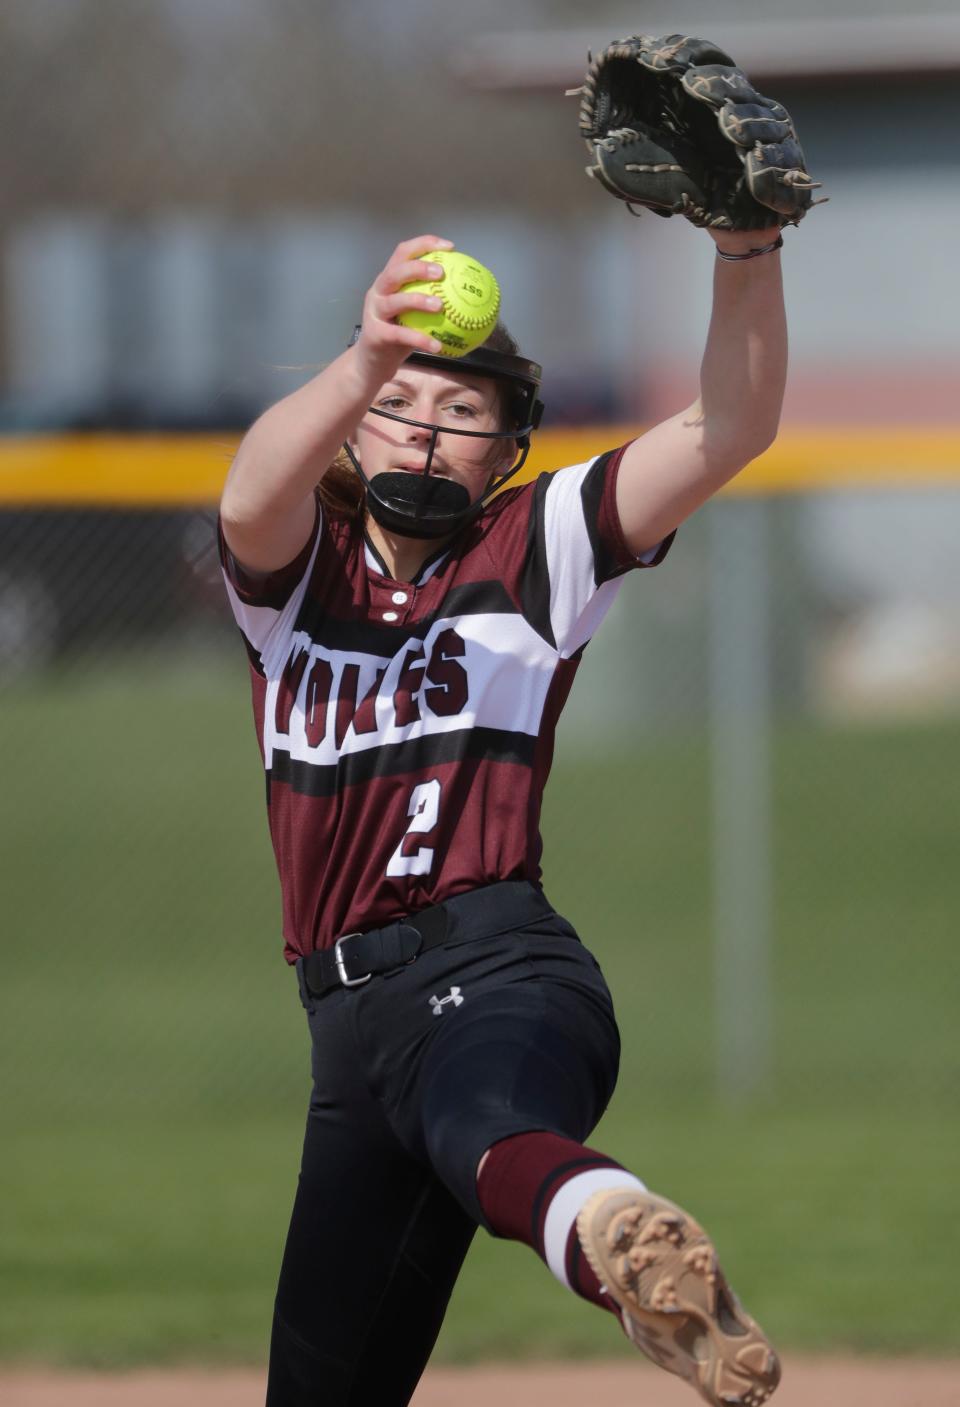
660,1267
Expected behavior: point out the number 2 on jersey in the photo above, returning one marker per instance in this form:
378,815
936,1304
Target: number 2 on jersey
424,809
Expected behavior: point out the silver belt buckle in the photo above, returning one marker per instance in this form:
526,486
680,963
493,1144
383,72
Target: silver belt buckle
341,966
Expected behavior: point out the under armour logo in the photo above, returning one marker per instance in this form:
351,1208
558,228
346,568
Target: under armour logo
438,1003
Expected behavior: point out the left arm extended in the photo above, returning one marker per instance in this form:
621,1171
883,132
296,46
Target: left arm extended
677,465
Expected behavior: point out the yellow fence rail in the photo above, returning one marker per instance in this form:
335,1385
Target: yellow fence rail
182,471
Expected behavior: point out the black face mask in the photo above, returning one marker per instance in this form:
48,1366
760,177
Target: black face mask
422,505
425,506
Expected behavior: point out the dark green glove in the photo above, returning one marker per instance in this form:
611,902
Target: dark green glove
673,125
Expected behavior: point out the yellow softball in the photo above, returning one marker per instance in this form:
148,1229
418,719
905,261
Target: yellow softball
471,301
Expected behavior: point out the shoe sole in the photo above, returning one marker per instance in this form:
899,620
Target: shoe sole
661,1268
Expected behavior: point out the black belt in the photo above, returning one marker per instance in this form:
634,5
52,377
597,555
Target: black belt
356,957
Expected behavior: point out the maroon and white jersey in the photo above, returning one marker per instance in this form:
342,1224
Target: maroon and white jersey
407,727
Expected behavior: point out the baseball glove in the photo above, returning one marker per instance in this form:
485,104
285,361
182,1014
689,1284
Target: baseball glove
673,125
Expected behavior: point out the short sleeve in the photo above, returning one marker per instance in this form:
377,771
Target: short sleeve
611,554
577,553
266,604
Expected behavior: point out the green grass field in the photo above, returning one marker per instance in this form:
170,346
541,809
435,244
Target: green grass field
154,1063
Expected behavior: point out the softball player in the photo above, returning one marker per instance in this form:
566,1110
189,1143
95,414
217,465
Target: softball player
412,641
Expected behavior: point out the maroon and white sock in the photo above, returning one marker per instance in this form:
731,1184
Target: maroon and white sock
532,1188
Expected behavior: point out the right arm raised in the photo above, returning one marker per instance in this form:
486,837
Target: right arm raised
267,506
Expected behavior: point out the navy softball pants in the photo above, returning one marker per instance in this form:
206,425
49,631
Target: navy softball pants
506,1028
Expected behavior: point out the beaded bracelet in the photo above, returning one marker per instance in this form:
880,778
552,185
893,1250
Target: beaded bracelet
752,253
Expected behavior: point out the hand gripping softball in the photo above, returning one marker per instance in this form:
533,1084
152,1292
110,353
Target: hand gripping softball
673,125
471,301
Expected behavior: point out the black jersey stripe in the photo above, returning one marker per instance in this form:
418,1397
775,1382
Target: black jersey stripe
371,638
421,571
376,554
429,562
535,577
395,759
591,494
253,655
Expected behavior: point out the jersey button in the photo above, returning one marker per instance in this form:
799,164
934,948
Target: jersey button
390,615
399,597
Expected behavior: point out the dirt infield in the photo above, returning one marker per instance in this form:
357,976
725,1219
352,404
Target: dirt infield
838,1382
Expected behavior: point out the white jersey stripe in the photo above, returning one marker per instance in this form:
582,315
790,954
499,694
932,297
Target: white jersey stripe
509,683
577,604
